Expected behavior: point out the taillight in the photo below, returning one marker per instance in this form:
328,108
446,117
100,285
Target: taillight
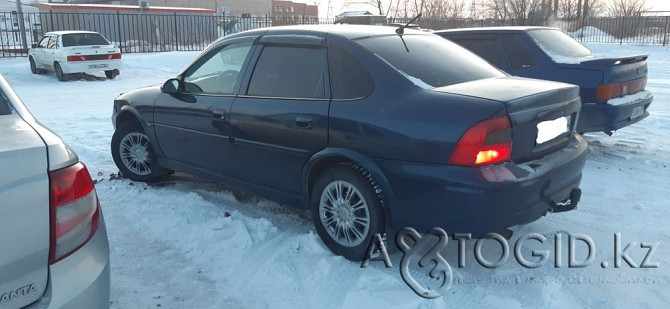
74,210
76,58
486,142
94,57
605,92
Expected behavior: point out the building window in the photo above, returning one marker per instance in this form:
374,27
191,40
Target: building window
279,8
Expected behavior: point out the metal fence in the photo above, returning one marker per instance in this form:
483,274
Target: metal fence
168,32
136,32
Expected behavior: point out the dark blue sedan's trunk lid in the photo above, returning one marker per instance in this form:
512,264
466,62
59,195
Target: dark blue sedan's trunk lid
529,102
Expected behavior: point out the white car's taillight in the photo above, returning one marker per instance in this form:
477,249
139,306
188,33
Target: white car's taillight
74,210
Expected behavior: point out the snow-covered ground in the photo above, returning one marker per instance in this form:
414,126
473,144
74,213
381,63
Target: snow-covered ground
187,243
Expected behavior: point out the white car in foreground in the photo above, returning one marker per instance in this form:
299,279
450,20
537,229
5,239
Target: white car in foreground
67,52
54,251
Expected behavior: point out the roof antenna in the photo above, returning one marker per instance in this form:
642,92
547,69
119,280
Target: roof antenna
401,29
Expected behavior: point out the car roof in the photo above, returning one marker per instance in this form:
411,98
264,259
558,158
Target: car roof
349,31
69,32
508,29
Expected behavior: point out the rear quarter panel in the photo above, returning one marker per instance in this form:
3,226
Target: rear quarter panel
24,213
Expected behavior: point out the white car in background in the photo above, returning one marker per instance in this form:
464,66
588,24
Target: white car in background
54,251
67,52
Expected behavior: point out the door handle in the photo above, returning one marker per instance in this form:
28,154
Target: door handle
219,114
303,122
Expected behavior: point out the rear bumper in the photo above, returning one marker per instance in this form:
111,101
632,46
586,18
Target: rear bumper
602,117
481,200
82,280
86,66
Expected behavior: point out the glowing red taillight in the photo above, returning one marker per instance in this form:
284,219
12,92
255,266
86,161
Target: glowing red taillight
74,210
486,142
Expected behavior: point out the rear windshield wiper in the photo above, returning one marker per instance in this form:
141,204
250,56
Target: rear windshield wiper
401,29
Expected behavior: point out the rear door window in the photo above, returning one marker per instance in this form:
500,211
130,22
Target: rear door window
488,49
517,56
348,77
289,72
53,42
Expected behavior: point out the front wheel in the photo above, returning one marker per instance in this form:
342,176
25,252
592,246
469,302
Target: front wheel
133,154
33,66
347,210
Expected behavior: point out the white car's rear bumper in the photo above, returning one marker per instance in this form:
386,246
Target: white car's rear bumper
82,279
90,66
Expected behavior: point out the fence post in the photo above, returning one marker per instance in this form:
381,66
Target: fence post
176,34
51,20
623,29
665,32
118,29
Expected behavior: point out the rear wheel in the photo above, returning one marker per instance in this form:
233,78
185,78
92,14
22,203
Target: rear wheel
33,66
111,74
347,210
133,154
59,72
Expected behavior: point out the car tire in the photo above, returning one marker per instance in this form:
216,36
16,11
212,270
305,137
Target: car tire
342,227
133,154
59,72
111,74
33,66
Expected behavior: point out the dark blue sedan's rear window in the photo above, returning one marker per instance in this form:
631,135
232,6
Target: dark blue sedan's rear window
430,61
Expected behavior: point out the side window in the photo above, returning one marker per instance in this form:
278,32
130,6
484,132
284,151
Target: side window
517,56
289,72
217,72
4,105
485,48
348,77
45,41
53,42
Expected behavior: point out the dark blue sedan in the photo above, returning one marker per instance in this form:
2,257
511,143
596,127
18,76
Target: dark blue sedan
612,88
368,127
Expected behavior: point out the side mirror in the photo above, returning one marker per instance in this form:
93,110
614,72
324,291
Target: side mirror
34,46
171,86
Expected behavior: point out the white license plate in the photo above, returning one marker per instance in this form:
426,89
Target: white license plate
97,66
548,130
637,112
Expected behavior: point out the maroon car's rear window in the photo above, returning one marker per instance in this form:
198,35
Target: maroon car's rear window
430,61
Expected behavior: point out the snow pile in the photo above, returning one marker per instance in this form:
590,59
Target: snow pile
629,98
593,33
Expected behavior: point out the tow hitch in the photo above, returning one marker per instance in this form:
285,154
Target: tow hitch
566,205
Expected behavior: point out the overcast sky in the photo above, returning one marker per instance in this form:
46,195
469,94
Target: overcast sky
655,5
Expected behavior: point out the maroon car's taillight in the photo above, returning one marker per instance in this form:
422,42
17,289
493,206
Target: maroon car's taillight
486,142
74,210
